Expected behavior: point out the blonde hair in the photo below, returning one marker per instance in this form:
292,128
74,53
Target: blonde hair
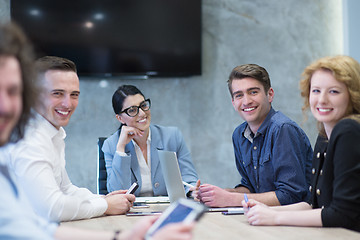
345,69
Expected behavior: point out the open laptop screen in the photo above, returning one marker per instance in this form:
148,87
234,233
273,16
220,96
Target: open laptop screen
171,172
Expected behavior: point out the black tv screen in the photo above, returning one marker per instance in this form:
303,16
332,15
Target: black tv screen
116,37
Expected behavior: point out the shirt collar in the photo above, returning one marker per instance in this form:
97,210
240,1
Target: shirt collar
266,122
49,128
248,134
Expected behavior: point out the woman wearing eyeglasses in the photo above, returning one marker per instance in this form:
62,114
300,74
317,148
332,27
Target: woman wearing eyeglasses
131,152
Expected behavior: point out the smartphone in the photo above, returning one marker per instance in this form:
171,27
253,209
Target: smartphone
132,188
233,213
142,213
140,205
183,210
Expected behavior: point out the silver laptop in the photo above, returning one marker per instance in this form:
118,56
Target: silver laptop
171,172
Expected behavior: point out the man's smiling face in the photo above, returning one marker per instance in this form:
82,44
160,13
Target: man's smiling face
251,101
60,96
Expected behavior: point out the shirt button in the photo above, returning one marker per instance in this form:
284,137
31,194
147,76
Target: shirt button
313,171
255,167
318,192
321,171
255,148
243,162
310,188
322,207
318,155
324,154
156,185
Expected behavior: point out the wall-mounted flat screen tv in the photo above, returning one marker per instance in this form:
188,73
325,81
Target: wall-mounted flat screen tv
116,37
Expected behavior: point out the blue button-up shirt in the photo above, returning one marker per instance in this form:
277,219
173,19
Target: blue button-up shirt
277,158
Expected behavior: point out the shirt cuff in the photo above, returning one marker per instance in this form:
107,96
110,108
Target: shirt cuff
241,185
121,154
52,228
100,205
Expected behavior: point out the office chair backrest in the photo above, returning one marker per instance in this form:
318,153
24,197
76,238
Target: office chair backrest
102,175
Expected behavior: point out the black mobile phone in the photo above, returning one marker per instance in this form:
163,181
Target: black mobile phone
233,213
140,205
132,188
183,210
142,213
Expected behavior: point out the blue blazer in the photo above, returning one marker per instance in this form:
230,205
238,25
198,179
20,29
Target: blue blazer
122,171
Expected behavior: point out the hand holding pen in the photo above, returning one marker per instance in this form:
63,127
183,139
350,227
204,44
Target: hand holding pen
194,189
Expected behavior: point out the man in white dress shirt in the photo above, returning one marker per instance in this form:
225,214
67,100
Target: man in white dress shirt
39,159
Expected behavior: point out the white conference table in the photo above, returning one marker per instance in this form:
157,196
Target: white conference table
216,226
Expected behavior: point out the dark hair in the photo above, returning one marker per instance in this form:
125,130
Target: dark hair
121,93
54,63
14,43
252,71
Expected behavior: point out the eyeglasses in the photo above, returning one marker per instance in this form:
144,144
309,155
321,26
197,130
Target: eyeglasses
134,110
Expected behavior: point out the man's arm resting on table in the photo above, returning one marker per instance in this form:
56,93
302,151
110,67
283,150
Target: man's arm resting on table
240,189
268,198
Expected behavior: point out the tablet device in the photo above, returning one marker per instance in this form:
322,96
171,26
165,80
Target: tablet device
171,173
183,210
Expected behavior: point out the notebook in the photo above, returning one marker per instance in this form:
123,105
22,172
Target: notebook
172,177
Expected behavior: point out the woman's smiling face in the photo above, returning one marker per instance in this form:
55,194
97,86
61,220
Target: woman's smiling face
142,119
329,98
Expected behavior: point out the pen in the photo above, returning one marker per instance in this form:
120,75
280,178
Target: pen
187,184
246,200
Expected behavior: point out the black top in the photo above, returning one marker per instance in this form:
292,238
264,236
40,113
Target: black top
335,184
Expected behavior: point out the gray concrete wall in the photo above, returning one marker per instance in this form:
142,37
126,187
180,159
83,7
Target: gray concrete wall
281,35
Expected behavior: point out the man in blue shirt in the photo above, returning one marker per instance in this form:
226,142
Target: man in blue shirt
272,153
